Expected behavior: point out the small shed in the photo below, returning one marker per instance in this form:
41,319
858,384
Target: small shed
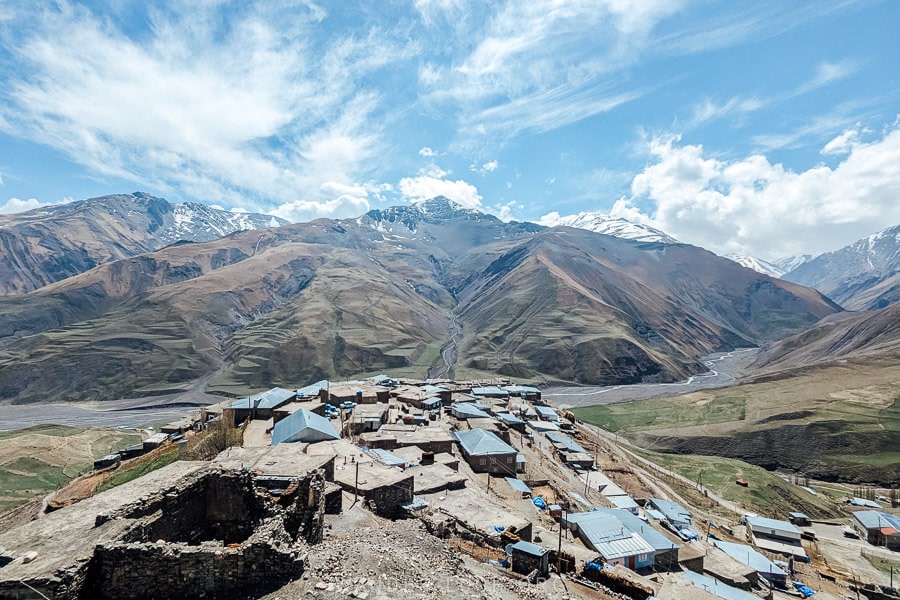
528,557
465,410
519,486
798,518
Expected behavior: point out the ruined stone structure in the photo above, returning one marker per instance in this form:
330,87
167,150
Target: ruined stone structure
206,532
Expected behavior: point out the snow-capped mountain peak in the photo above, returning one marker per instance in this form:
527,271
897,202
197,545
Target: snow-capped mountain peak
789,263
599,222
757,264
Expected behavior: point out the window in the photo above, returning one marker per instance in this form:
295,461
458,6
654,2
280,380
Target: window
482,461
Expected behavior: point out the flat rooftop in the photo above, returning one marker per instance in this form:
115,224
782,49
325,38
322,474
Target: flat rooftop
476,510
285,460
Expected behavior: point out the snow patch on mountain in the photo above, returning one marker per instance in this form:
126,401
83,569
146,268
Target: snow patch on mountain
789,263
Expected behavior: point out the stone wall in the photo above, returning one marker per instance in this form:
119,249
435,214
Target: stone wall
385,501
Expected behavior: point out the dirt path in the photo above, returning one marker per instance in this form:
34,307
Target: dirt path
448,352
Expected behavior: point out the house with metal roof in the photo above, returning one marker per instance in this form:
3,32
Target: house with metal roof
606,534
487,453
717,588
665,552
490,392
511,421
545,413
519,486
563,442
674,512
881,528
261,405
527,557
465,410
773,528
387,458
625,503
523,391
753,559
303,426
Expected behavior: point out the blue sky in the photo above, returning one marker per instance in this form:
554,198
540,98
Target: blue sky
763,128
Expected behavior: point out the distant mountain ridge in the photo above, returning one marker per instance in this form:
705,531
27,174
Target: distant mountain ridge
51,243
599,222
757,264
387,290
864,275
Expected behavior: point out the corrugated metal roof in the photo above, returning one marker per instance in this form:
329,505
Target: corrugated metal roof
478,442
489,391
874,519
543,426
385,457
546,411
673,511
465,410
580,499
654,514
266,400
750,557
518,485
565,441
608,535
508,418
630,546
522,389
529,548
303,426
766,523
637,525
313,389
864,502
717,588
434,389
623,502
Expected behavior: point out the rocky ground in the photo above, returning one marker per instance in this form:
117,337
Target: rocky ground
369,558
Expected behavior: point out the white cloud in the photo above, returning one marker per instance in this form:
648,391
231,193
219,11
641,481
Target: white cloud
843,143
488,167
551,219
425,187
246,111
427,152
710,110
16,205
505,211
752,206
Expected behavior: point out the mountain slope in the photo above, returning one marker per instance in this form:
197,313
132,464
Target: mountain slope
615,226
861,276
336,298
49,244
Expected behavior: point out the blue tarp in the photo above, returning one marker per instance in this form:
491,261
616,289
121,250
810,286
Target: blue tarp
806,591
539,502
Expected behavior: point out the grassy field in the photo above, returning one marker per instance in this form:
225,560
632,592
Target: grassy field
140,468
766,493
39,460
840,420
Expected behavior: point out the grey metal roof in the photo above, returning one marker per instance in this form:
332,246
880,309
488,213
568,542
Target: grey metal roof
874,519
608,535
529,548
717,588
565,441
434,389
750,557
313,389
766,523
623,502
522,389
798,515
518,485
303,426
266,400
478,442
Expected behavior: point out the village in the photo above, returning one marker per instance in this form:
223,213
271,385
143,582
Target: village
513,489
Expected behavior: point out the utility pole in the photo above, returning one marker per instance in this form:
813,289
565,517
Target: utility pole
356,483
559,545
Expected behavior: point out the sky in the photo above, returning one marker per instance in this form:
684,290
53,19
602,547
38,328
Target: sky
758,127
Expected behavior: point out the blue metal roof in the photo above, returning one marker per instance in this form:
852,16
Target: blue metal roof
864,502
489,391
478,442
566,441
303,426
385,457
266,400
518,485
874,519
465,410
580,499
623,502
672,510
767,523
717,588
750,557
509,419
529,548
546,411
637,525
654,514
313,389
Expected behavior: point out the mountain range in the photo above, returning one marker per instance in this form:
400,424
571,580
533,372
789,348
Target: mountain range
599,222
49,244
387,290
